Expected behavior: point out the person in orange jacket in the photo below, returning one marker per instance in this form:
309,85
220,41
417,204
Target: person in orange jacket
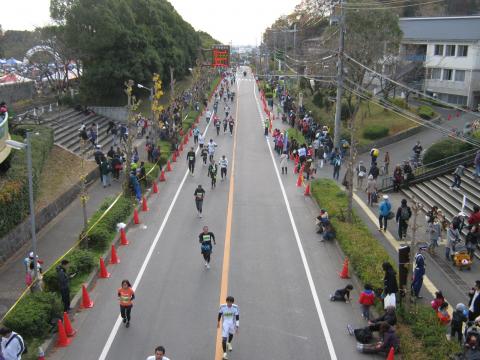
125,297
443,314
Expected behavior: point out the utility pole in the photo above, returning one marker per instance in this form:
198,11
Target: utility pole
338,108
295,54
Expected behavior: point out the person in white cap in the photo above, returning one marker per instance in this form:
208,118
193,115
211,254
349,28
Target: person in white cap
384,210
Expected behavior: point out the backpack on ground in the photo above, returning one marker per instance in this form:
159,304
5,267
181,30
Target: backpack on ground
404,213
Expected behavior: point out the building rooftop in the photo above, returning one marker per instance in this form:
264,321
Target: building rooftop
455,28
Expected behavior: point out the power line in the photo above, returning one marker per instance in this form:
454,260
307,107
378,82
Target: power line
408,115
380,7
411,89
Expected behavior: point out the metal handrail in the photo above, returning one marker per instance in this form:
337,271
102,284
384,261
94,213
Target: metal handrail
426,167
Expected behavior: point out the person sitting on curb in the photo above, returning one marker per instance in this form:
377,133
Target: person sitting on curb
388,340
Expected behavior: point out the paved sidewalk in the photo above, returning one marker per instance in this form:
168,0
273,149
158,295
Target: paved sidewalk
452,282
56,238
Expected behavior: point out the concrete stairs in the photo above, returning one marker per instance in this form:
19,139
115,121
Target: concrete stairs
437,192
66,124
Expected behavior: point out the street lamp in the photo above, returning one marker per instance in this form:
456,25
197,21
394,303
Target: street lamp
17,145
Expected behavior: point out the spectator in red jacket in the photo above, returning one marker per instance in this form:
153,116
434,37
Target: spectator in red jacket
367,299
474,218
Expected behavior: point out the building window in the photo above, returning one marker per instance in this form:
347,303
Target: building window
435,73
462,50
457,99
447,74
438,50
450,50
460,75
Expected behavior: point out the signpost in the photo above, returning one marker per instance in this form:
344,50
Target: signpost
221,56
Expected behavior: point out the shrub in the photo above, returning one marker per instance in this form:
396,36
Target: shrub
400,103
34,314
425,112
424,337
81,262
153,174
14,200
374,132
318,99
443,149
297,135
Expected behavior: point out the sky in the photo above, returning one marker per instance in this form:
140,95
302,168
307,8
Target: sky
239,21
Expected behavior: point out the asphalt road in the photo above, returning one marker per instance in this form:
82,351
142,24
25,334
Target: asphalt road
267,256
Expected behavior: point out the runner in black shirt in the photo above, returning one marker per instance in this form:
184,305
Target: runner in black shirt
191,160
199,195
225,124
212,172
205,238
204,154
231,123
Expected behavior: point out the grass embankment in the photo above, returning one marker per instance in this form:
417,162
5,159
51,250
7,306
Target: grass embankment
421,335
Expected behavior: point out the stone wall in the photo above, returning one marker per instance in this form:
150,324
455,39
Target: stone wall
20,235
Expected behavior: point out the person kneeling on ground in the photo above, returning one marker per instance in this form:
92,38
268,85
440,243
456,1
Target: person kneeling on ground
342,294
328,232
389,317
388,340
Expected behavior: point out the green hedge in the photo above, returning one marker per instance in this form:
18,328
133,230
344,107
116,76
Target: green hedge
81,262
400,102
14,200
444,149
374,132
100,237
425,112
297,135
319,99
35,314
422,336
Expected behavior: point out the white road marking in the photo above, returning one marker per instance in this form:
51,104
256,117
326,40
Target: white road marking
114,331
311,284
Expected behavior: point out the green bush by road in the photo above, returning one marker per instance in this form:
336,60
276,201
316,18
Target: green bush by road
421,335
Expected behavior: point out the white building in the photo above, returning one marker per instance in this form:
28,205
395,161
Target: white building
449,47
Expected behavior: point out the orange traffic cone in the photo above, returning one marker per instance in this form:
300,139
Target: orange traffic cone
155,187
291,156
63,340
41,354
190,133
296,160
169,166
136,220
300,180
174,157
86,302
162,176
68,326
144,204
295,169
307,190
113,257
104,274
344,273
123,237
181,147
181,132
391,353
185,140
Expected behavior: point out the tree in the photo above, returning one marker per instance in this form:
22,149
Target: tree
127,39
59,9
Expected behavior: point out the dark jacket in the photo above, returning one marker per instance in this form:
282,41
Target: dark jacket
388,316
390,282
389,339
398,217
63,278
476,305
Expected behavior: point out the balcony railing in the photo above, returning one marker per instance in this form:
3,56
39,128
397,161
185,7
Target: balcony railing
414,57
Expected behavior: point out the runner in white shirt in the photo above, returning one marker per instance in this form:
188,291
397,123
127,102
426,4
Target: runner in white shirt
159,354
208,115
223,166
201,140
211,149
229,315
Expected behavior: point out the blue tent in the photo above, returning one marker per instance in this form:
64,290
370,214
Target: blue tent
13,62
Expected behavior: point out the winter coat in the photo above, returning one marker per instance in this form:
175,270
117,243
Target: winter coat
385,208
390,282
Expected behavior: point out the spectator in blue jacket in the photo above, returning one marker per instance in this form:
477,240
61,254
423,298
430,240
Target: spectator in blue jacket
384,209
